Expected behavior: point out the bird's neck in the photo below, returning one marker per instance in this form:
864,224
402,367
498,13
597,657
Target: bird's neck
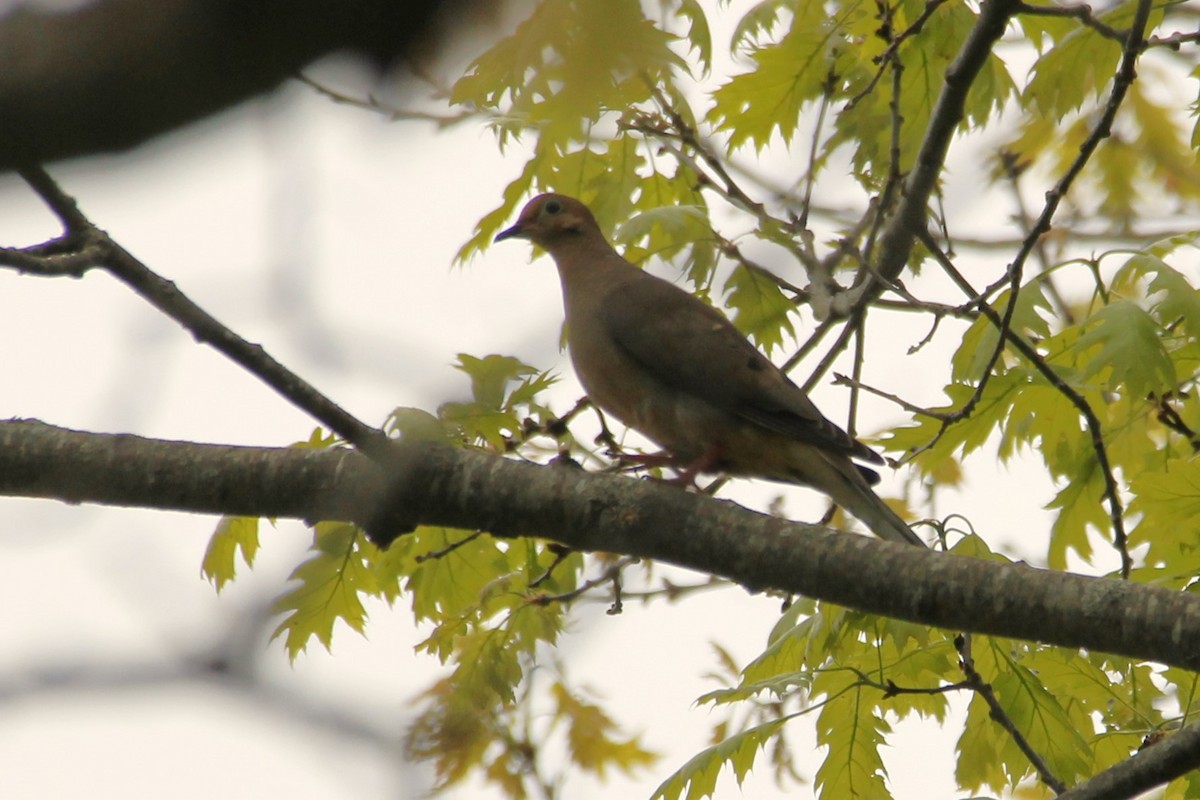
590,265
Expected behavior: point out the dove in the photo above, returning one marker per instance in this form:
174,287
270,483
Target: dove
676,369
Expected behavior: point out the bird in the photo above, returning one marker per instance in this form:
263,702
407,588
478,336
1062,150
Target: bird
676,369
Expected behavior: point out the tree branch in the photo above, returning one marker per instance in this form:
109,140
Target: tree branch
112,74
977,684
438,485
83,246
896,241
1151,766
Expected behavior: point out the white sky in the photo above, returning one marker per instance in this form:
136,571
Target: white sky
326,235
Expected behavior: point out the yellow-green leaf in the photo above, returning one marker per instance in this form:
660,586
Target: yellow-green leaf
233,534
760,308
753,106
330,585
1122,347
592,736
699,775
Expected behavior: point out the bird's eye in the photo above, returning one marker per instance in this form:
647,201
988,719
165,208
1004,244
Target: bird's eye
553,207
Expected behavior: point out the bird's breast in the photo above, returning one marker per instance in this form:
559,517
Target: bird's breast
631,393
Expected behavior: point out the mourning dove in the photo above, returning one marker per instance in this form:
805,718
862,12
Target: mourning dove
674,368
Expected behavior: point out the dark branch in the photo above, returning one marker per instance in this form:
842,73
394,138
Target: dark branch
1153,765
996,711
84,246
112,74
438,485
898,236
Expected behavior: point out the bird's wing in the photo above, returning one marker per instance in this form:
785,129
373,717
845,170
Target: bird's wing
693,348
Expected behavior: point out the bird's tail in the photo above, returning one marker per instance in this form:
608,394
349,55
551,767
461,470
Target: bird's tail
850,490
871,511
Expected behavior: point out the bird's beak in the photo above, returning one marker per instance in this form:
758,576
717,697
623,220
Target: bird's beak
515,232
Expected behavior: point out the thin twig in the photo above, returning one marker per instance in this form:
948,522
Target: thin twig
982,688
1095,429
844,380
860,343
82,243
374,104
887,197
891,689
612,573
1170,418
1083,13
826,362
561,554
673,591
889,54
814,339
433,555
1172,42
1012,172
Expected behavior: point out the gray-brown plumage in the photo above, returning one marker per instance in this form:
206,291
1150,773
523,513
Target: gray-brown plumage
677,370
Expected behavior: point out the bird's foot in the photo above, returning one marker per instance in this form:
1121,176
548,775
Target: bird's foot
686,471
632,462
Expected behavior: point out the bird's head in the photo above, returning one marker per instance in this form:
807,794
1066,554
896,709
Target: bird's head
551,219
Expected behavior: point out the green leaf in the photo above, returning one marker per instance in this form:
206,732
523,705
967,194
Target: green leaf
491,375
417,425
758,22
606,179
1037,714
493,417
698,36
760,308
670,221
592,738
1173,294
454,734
987,754
1123,696
668,224
699,775
330,584
964,436
1128,350
233,534
488,667
1044,418
1167,500
979,343
980,749
1044,29
1078,68
481,423
568,64
854,730
319,440
753,106
1080,505
1080,65
454,567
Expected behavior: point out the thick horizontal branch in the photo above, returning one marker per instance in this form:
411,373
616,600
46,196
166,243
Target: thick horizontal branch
40,460
114,73
1153,765
434,484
